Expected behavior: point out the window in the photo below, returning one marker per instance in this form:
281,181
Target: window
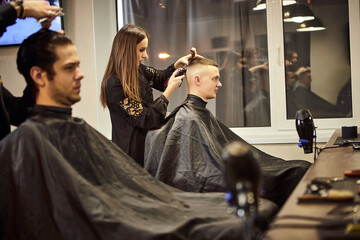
317,59
250,46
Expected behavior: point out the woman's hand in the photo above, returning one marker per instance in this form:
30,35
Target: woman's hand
39,9
183,61
174,83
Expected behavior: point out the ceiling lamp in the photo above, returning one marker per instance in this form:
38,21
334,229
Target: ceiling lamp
288,2
311,26
298,13
261,4
163,55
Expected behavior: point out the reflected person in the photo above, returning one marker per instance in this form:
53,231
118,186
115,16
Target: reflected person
301,97
291,60
257,111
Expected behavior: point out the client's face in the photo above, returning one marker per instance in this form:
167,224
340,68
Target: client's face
210,82
64,89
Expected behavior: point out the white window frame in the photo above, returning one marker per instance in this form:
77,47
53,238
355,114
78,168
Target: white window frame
283,130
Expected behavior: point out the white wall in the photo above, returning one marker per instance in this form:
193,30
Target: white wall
105,31
289,151
79,26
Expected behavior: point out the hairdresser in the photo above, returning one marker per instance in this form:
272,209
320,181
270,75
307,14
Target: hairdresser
126,90
13,110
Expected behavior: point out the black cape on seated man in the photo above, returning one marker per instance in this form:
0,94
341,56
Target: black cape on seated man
186,151
61,179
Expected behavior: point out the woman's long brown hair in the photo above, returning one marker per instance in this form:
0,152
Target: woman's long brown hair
123,62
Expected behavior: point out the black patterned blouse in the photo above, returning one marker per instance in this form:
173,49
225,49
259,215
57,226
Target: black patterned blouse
130,119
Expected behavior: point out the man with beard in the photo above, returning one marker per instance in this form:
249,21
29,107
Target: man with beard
13,110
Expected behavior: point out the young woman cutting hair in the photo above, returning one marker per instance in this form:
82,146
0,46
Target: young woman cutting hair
126,90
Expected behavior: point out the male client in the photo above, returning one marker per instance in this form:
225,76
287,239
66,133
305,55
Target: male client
186,151
61,179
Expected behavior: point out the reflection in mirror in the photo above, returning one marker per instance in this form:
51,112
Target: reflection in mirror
317,60
227,31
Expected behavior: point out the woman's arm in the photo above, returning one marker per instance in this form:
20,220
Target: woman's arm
8,17
136,113
17,107
170,84
157,79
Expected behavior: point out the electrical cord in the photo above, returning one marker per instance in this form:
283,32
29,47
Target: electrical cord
321,149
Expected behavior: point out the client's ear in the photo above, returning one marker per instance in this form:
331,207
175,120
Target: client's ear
38,75
197,80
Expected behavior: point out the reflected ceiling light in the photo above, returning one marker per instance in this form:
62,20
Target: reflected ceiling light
261,4
288,2
298,13
163,55
162,3
311,26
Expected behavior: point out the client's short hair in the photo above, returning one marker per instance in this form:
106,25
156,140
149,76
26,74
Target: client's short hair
39,50
202,61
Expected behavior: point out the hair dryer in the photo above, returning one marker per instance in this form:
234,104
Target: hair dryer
305,128
242,174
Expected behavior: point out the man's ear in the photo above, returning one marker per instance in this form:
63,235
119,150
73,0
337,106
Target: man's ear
38,75
197,80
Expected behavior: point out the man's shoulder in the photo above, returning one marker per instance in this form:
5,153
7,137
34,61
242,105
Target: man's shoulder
36,124
178,118
185,113
27,131
31,127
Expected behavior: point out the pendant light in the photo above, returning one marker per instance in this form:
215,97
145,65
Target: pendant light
311,26
298,13
261,4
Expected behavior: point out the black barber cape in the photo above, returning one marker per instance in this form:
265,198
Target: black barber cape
61,179
186,153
